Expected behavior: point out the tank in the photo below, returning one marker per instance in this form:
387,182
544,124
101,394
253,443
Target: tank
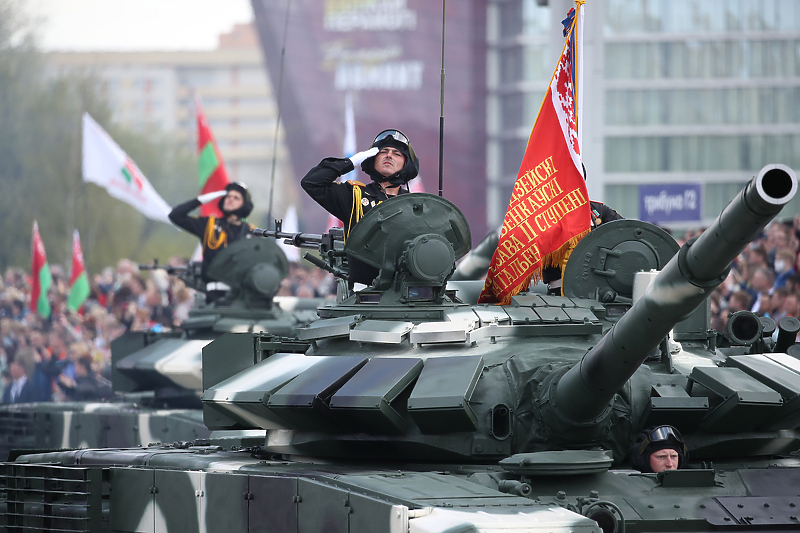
157,376
405,409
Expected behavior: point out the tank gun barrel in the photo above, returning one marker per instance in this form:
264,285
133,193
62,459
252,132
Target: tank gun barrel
582,395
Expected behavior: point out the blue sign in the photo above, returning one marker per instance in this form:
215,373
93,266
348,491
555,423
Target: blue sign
669,202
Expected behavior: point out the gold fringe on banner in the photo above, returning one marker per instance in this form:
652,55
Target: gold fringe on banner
557,258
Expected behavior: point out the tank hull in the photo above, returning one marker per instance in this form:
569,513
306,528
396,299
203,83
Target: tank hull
203,489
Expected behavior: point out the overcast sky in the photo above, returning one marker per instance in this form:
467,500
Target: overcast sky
134,24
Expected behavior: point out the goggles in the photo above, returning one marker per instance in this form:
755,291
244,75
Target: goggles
397,135
660,434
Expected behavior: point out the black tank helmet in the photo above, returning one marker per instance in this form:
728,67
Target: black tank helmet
652,440
247,206
396,139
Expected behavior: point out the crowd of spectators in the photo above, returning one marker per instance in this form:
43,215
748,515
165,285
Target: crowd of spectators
67,356
765,277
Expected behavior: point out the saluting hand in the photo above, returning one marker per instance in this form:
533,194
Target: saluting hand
205,198
360,157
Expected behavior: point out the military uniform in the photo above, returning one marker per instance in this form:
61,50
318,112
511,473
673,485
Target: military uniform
347,201
214,233
601,213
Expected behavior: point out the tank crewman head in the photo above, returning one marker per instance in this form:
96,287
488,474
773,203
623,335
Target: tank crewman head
658,449
395,164
237,201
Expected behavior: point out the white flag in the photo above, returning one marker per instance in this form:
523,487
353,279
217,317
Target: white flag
107,165
349,148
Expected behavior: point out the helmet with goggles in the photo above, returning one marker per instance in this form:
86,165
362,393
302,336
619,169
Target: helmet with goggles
652,440
246,207
395,139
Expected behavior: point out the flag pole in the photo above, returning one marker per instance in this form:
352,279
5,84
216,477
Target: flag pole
579,71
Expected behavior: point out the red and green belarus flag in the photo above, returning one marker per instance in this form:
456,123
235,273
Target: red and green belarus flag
40,275
211,169
549,208
78,281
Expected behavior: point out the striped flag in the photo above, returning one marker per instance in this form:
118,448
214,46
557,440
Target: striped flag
549,208
78,281
107,165
41,280
210,167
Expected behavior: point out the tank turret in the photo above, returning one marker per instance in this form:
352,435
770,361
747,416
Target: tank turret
170,364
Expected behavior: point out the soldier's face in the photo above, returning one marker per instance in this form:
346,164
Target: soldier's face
389,160
666,459
233,201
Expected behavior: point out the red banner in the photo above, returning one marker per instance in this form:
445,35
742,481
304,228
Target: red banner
549,209
40,275
211,169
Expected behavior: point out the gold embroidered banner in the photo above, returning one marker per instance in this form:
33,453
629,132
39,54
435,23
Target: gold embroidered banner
549,208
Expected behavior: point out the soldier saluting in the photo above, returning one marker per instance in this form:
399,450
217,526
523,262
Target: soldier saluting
390,162
216,233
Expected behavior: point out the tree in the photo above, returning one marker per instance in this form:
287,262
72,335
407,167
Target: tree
40,166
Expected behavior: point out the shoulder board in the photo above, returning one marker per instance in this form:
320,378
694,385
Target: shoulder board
353,182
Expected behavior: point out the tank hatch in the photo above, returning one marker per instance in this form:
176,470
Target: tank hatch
559,463
611,254
415,240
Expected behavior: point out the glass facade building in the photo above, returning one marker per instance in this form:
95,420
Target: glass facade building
695,92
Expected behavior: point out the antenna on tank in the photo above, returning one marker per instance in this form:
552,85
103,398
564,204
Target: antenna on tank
441,110
278,119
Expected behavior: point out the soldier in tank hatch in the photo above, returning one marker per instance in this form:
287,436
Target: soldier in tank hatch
215,233
390,162
600,214
551,275
658,449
